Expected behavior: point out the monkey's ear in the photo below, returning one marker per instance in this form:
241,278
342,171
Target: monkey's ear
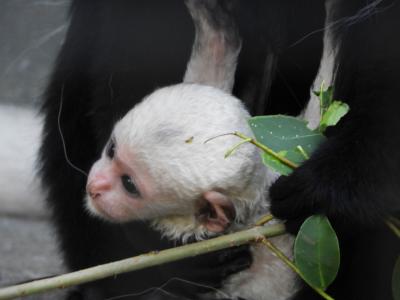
217,212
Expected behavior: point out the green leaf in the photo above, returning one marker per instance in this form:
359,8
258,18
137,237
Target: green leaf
276,164
294,155
333,114
283,135
396,280
316,252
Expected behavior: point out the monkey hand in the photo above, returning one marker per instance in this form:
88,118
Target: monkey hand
294,198
337,182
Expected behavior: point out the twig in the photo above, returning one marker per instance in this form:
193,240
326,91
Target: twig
392,225
264,219
291,265
230,151
247,139
140,262
303,152
267,150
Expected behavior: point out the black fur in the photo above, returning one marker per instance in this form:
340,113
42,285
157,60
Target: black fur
353,178
115,53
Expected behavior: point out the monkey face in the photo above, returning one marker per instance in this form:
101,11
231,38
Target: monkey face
121,188
149,170
114,191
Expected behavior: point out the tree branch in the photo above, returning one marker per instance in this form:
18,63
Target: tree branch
142,261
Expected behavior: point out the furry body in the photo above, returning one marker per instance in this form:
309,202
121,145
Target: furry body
130,47
179,176
115,54
351,178
185,170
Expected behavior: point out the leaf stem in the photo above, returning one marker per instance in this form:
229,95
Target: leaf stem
393,227
267,150
230,151
264,219
291,265
303,152
217,136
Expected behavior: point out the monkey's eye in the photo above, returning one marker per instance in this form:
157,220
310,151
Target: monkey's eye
110,151
129,185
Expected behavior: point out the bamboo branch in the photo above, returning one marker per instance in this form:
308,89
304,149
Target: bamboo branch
140,262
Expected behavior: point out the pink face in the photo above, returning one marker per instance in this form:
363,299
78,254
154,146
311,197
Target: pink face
114,191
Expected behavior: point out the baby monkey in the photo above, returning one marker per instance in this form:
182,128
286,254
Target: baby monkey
163,164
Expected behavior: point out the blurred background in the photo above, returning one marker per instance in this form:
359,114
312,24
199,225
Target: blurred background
31,33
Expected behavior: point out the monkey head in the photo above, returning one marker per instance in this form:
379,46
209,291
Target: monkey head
161,165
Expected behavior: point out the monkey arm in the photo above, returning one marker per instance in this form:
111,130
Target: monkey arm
351,178
216,46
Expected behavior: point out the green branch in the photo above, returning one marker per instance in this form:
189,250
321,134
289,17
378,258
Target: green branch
264,219
292,266
141,262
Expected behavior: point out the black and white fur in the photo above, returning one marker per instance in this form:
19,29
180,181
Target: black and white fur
156,132
352,178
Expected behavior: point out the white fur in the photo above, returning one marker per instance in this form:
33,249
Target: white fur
20,190
268,277
215,49
187,169
172,144
205,112
325,74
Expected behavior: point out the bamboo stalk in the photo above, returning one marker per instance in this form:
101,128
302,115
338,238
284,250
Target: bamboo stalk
140,262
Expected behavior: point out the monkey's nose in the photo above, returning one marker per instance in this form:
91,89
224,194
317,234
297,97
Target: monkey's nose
97,187
91,191
94,195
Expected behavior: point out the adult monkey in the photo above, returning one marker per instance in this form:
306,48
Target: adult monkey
352,178
114,54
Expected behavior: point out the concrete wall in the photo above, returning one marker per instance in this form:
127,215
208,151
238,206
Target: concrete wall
31,32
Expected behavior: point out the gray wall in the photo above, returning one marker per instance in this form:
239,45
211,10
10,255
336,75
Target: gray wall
31,32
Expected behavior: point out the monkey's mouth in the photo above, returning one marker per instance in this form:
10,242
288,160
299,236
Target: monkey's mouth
106,209
94,208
